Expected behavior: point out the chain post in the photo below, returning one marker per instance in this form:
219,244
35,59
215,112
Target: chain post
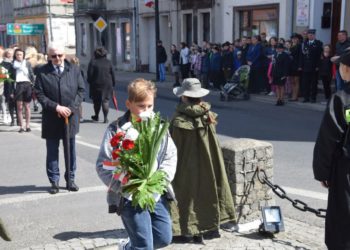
280,192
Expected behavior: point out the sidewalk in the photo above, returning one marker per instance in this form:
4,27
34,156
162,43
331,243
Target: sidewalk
298,236
320,105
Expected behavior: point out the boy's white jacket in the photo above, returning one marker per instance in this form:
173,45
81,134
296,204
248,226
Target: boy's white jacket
167,160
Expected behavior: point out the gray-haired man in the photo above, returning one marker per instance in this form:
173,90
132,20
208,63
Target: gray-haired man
59,88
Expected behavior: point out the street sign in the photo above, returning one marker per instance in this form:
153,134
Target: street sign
14,29
100,24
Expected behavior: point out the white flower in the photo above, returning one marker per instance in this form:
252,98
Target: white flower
126,126
146,115
131,134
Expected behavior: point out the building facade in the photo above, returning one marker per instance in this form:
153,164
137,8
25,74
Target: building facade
6,16
56,15
129,35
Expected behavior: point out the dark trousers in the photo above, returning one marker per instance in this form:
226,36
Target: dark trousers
98,102
12,108
326,81
310,85
257,79
52,166
185,70
216,78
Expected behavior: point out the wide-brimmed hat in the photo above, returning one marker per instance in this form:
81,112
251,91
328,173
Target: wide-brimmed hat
344,58
190,87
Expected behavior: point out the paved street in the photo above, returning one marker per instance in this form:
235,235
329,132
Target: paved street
80,220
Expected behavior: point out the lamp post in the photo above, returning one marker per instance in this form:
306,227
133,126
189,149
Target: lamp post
156,9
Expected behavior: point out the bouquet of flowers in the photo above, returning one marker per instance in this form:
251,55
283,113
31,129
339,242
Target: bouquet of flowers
135,149
4,74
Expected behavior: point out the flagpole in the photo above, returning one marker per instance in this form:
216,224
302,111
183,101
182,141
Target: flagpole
156,9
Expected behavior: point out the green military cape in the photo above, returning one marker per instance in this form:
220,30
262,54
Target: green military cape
204,199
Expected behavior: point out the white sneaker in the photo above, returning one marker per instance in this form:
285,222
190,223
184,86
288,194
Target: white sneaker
271,93
122,244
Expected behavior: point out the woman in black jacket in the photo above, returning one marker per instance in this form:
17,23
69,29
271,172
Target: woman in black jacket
101,78
280,71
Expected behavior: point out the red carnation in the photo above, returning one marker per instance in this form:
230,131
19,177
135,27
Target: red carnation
116,138
125,179
128,144
115,153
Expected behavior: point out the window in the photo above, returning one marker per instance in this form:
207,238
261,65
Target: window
206,26
188,28
126,41
255,21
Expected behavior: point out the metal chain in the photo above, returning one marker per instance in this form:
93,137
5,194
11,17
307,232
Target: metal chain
298,204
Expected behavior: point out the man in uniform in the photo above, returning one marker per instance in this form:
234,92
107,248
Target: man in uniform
309,64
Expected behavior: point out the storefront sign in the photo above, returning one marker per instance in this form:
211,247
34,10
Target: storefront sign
302,17
25,29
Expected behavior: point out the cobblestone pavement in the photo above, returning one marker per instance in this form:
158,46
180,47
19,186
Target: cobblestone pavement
297,236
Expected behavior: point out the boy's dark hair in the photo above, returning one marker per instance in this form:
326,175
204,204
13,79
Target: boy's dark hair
21,50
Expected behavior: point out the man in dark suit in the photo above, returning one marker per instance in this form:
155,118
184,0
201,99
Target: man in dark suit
309,63
60,89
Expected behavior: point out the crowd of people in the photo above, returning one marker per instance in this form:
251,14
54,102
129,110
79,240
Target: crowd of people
283,68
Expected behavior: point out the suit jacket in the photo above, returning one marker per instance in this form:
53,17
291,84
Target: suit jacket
311,55
66,89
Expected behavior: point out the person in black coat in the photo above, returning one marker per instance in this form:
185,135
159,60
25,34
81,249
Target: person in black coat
161,59
9,88
59,87
309,64
227,61
326,68
280,70
100,76
331,161
295,71
175,61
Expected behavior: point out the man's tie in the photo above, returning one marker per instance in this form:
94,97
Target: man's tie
58,70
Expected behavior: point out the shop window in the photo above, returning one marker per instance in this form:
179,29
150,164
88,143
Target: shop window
255,21
126,41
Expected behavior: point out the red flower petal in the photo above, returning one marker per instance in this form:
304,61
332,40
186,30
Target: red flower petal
128,144
125,179
115,153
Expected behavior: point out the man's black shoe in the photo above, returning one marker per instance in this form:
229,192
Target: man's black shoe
73,187
313,100
54,188
306,100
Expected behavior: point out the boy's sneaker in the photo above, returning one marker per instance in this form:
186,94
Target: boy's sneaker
122,244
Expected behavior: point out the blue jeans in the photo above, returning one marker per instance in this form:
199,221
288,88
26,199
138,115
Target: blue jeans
162,72
339,81
146,230
52,166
